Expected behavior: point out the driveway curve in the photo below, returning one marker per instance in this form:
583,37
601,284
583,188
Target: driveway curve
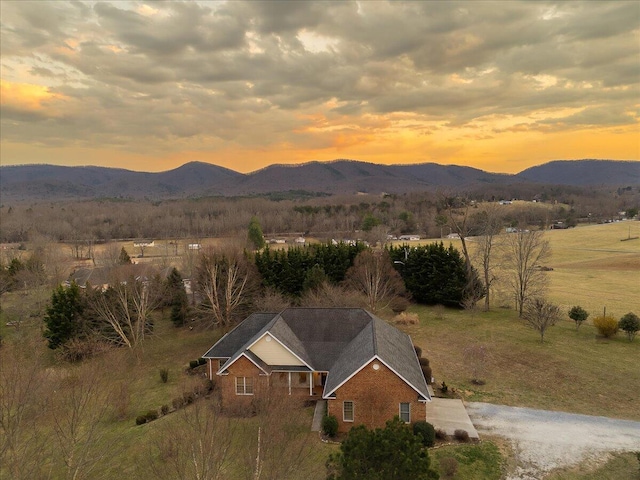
544,440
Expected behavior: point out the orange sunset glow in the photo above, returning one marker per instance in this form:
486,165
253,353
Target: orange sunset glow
497,86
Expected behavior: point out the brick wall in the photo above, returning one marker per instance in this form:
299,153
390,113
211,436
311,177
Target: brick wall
376,395
227,383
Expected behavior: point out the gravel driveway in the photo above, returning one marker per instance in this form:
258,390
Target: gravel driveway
543,440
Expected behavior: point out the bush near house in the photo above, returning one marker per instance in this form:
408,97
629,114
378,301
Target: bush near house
426,432
330,425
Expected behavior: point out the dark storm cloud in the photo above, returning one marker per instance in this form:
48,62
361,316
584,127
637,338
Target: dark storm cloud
133,70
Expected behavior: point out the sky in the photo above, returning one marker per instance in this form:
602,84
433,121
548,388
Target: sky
150,86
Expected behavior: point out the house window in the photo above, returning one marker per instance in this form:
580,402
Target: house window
302,377
405,412
244,386
347,411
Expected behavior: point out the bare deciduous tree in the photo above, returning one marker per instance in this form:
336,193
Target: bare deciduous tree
475,356
198,446
488,242
329,295
271,300
540,315
282,443
79,406
525,252
373,274
126,307
226,283
23,447
458,219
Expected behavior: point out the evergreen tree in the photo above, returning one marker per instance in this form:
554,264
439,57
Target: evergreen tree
63,316
432,273
124,258
288,270
177,296
256,238
390,453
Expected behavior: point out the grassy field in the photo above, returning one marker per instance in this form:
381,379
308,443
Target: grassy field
595,268
573,370
625,466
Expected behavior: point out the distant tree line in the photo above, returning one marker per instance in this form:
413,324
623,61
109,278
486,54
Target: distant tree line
83,223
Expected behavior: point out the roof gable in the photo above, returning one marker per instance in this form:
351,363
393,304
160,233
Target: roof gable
273,352
235,339
340,341
386,343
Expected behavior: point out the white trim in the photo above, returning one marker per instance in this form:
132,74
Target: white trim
244,386
283,345
243,354
400,411
326,395
353,411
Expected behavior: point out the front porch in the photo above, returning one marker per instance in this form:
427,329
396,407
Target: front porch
299,383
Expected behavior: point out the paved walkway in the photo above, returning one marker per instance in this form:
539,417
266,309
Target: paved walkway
321,408
449,414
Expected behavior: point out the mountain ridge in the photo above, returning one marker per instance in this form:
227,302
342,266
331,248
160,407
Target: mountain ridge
197,179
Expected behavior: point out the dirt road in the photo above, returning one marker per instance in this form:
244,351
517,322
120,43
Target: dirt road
544,440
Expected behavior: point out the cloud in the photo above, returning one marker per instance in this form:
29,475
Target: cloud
163,76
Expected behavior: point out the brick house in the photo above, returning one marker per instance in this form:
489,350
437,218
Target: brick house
366,369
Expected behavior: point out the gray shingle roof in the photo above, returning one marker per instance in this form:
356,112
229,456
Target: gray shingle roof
232,341
336,340
325,332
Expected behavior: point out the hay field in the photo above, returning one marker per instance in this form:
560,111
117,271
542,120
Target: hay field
593,268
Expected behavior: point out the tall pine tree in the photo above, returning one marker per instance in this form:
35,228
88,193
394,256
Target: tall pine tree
178,300
63,317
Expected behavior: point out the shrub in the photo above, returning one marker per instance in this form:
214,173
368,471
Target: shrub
418,351
449,466
578,315
441,434
193,364
151,415
164,409
178,403
428,374
444,388
399,305
630,324
461,435
423,361
606,325
426,432
330,425
164,375
141,419
405,318
188,397
202,361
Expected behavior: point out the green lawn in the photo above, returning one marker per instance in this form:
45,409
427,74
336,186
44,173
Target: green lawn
571,371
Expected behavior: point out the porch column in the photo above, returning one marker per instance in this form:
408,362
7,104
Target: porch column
289,383
310,384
